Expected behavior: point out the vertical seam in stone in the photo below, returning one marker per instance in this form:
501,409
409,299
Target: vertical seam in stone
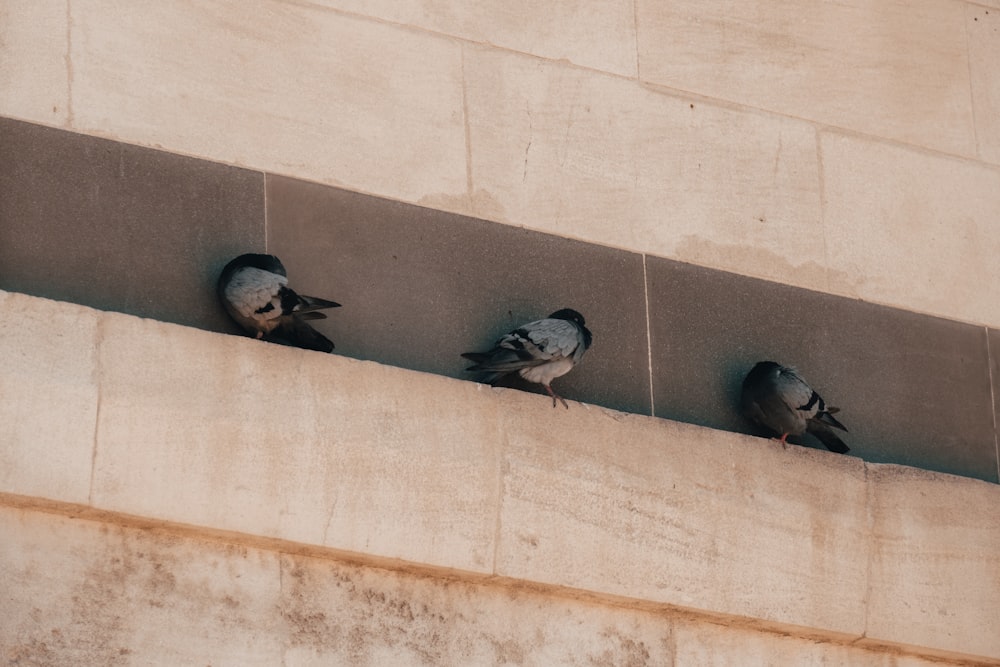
70,121
501,467
671,641
871,543
993,400
266,239
649,338
98,378
968,63
468,131
281,602
635,28
821,178
329,517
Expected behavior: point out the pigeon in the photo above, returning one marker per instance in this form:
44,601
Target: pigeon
538,351
776,397
254,290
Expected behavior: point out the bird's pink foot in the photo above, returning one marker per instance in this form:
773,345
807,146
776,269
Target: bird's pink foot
554,396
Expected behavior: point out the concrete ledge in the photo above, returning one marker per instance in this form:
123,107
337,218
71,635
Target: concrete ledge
232,434
48,397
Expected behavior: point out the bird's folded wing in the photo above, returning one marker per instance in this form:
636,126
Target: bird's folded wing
552,337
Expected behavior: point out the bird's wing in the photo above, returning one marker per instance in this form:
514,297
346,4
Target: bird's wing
533,344
795,393
553,337
255,293
772,396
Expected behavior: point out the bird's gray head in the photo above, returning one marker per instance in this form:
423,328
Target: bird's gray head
568,314
761,371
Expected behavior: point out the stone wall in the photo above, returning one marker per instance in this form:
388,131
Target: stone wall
710,184
173,495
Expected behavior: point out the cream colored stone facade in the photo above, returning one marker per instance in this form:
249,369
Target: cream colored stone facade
195,471
153,510
688,130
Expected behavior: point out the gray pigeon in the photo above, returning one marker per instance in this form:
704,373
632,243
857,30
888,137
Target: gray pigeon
776,397
538,351
254,290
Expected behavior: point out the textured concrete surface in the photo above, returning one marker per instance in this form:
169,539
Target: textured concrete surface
983,27
595,35
85,592
419,286
846,147
592,156
905,225
214,433
34,72
300,446
346,101
119,227
742,527
50,395
719,646
949,597
427,104
897,70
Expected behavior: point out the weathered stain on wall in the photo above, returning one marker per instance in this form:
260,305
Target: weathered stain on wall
851,149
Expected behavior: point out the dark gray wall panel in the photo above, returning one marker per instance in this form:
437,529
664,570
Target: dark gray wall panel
913,389
421,286
136,230
120,227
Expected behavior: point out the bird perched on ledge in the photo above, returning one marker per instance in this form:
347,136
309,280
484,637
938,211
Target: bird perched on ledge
538,351
776,397
254,291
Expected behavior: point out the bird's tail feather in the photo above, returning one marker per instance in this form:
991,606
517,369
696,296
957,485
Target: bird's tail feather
502,361
296,333
481,365
477,357
827,417
822,431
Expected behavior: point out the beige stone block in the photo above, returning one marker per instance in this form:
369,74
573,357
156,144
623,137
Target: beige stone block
34,72
600,35
77,592
601,158
891,69
912,229
82,592
280,86
418,467
48,397
237,434
720,646
344,615
984,54
672,513
935,578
